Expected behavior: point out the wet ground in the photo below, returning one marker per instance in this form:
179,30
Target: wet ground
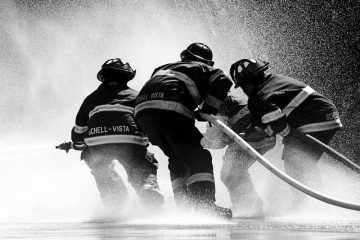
38,202
236,229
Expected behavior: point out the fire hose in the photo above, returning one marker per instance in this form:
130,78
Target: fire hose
347,162
286,178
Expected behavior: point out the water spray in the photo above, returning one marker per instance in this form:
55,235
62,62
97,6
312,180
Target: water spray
286,178
26,149
347,162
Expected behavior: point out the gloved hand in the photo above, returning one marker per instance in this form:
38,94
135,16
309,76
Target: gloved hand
198,117
85,154
65,146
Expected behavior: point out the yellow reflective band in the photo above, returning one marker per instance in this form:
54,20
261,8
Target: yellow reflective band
179,182
240,114
264,143
321,126
79,145
268,130
198,177
285,131
111,108
297,100
213,101
215,76
109,139
190,84
165,105
272,116
79,129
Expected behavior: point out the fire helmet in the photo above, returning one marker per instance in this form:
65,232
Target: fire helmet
243,71
198,52
115,69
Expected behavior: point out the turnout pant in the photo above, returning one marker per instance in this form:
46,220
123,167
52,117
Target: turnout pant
140,166
301,158
235,174
190,165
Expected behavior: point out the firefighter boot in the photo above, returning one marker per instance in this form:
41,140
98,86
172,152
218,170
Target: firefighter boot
246,202
150,195
244,198
203,200
113,191
181,193
182,198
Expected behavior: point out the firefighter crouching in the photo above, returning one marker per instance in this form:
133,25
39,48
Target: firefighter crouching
236,161
282,105
105,130
165,111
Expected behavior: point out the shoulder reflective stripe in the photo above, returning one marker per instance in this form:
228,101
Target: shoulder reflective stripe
321,126
285,131
111,108
108,139
215,76
240,114
298,99
190,84
213,101
165,105
79,129
272,116
198,177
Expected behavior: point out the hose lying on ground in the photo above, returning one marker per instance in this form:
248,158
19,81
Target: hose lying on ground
286,178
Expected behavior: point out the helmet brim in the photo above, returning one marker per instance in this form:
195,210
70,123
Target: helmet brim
239,78
100,74
187,54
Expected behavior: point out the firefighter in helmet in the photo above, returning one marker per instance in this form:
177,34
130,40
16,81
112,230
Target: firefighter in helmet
105,130
282,105
246,203
166,111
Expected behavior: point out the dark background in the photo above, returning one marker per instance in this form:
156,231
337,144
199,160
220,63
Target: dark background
50,50
317,42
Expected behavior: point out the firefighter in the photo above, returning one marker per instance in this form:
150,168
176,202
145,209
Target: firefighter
236,161
105,130
282,105
166,111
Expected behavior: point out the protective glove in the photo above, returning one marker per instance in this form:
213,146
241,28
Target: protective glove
85,154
